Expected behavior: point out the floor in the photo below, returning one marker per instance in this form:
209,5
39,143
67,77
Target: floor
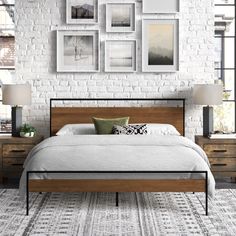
225,183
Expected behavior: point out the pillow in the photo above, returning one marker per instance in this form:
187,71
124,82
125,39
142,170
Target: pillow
76,129
104,126
130,129
161,129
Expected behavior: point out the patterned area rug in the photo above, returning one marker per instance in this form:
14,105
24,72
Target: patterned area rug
138,214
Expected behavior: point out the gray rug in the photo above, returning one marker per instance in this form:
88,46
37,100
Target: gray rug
138,214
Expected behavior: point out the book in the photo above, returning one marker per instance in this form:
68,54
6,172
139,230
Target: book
223,136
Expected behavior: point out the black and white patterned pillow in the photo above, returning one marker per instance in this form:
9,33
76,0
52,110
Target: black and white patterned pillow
130,129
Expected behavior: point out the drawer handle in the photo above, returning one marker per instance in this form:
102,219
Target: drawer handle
16,150
17,164
218,164
220,150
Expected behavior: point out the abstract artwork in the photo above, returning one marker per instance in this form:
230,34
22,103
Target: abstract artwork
120,17
160,40
120,56
77,51
82,11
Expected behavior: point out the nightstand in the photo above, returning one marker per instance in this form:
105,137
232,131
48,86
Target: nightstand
13,152
221,154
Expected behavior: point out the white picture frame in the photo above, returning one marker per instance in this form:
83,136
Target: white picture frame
120,17
78,51
82,11
160,49
120,56
161,6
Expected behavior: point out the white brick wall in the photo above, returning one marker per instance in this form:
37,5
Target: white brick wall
37,22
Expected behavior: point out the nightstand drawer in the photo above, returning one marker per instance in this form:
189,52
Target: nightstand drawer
223,164
220,150
16,150
13,162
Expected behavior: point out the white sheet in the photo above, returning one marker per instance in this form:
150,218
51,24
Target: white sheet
118,152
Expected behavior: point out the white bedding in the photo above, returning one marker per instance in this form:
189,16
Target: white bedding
114,152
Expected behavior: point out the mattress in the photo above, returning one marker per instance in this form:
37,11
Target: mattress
117,153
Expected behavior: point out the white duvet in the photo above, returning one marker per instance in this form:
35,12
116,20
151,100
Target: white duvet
117,153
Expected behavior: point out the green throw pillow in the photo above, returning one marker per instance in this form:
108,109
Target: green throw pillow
104,126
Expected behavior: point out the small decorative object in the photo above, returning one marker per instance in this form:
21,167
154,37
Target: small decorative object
120,17
120,56
16,95
160,45
166,6
27,131
78,51
81,11
207,94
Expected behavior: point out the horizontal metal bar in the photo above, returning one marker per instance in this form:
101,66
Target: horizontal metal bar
224,68
117,99
224,5
111,172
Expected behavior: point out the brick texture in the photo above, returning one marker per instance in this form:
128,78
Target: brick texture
37,22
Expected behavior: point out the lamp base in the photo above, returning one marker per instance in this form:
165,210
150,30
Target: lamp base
16,114
207,121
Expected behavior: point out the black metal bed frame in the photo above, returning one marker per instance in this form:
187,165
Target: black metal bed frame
120,172
117,172
118,99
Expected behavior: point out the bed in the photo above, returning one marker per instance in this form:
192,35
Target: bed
117,163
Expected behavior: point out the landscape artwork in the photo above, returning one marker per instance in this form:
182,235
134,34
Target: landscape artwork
78,50
161,44
81,11
120,56
121,15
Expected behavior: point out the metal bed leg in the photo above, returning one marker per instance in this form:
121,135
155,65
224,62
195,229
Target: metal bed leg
193,192
27,193
117,199
206,193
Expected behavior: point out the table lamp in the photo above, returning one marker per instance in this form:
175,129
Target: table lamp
16,95
208,94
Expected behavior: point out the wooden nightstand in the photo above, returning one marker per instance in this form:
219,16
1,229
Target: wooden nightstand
13,152
221,154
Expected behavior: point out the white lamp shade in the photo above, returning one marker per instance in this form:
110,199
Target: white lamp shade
208,94
16,94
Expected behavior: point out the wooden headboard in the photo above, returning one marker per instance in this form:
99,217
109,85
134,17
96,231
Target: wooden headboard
62,115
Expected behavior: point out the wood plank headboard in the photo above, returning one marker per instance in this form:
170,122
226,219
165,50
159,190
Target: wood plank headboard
61,115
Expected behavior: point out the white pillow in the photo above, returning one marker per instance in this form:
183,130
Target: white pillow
83,129
161,129
76,129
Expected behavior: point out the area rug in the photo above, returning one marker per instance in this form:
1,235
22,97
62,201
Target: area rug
95,214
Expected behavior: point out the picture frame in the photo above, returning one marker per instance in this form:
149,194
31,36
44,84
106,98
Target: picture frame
78,51
166,6
121,17
82,11
160,50
120,56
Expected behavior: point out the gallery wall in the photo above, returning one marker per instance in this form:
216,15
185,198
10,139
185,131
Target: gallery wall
36,25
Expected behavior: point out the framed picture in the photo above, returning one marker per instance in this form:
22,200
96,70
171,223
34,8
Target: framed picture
78,51
166,6
120,56
81,11
120,17
160,45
